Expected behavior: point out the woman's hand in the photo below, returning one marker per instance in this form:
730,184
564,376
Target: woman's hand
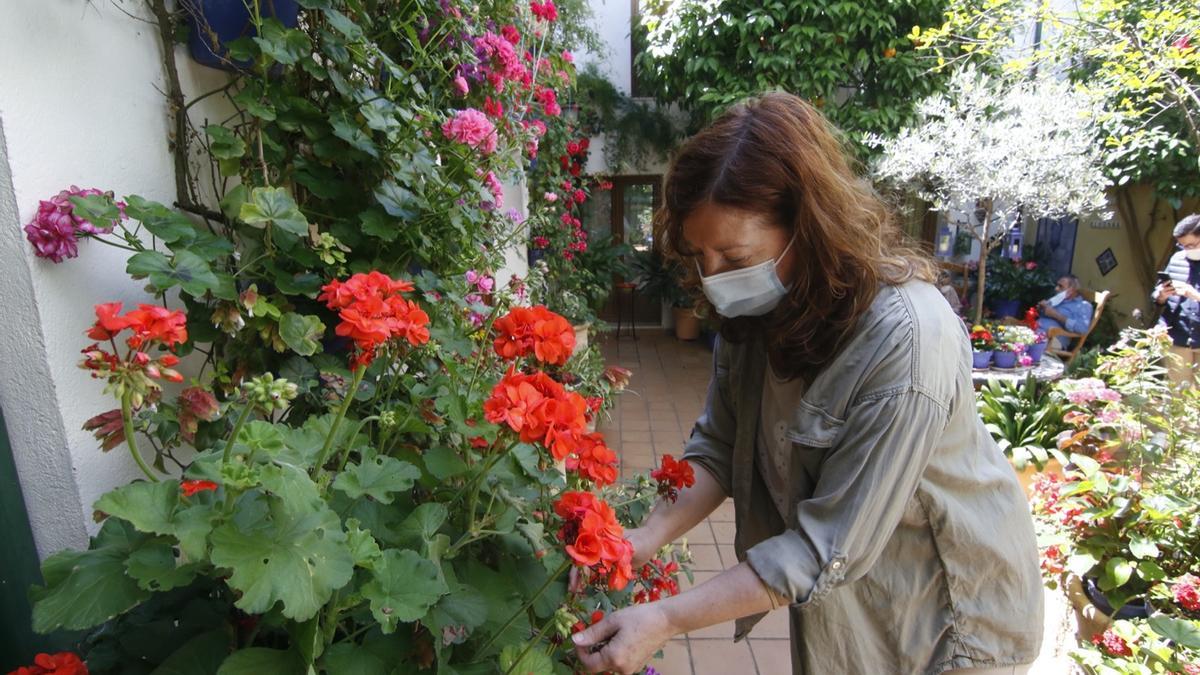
624,641
1165,290
644,548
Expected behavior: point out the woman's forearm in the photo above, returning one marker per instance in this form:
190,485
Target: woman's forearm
732,594
671,520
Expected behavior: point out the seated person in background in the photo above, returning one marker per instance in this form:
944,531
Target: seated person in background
1066,309
949,291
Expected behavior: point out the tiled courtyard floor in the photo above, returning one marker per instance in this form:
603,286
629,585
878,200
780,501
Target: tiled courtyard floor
654,417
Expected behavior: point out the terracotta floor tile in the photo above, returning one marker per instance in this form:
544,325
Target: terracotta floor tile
773,657
724,531
676,659
773,625
700,534
705,558
721,657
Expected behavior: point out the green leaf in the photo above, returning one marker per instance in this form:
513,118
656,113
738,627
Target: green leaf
345,128
153,566
342,24
185,269
292,485
378,478
147,506
1142,548
1086,464
260,436
1116,573
376,223
463,607
231,203
396,200
225,143
1150,571
362,545
292,553
402,588
201,655
261,661
302,332
1182,632
86,588
285,45
423,523
534,662
346,658
274,206
442,462
164,223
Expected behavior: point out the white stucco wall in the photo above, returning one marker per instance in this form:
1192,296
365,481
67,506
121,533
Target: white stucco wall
612,25
80,103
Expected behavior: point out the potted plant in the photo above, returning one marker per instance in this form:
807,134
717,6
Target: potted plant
982,345
1025,418
656,278
216,23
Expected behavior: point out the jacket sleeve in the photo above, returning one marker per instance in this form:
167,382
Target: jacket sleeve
867,481
711,442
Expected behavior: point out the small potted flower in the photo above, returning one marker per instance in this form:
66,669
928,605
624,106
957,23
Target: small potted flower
1011,344
982,344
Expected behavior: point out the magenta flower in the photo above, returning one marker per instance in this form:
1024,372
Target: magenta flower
55,229
497,190
460,85
473,128
545,11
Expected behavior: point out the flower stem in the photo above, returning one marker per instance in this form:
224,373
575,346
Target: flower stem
532,642
127,422
341,414
529,603
237,429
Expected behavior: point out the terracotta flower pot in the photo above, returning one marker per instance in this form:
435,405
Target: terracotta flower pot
687,324
581,338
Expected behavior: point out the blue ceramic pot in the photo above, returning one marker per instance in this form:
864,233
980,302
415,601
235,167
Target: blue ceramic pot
1036,351
1137,608
229,20
1004,359
1006,308
981,360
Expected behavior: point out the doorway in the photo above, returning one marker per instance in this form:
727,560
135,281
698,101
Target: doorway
626,213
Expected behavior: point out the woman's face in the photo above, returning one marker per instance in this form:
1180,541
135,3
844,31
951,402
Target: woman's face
723,238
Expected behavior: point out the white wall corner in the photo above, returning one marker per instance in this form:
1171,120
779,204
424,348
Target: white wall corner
28,394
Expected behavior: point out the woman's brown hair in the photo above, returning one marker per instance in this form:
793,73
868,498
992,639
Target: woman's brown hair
777,156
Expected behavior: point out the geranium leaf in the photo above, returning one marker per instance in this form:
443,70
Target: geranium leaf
1182,632
262,661
534,661
423,523
169,226
345,128
145,505
86,588
402,588
351,659
378,224
463,607
442,462
1143,548
225,143
273,206
293,553
285,45
201,655
378,478
302,332
396,200
153,566
1116,572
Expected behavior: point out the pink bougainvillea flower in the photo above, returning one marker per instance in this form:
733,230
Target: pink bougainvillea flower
473,128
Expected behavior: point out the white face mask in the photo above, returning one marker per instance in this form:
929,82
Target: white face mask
1057,298
1192,254
750,291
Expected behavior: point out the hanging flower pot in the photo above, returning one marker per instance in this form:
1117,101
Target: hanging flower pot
216,23
1006,308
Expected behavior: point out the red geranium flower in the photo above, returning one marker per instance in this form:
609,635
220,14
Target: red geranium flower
1112,643
1186,593
537,330
594,460
593,537
191,487
373,312
62,663
672,476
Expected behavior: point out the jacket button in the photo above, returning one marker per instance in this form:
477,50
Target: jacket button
836,565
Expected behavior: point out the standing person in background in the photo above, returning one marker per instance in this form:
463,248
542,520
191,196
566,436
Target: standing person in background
1177,293
869,498
1066,309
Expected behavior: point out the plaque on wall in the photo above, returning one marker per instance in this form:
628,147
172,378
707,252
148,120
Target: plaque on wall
1106,261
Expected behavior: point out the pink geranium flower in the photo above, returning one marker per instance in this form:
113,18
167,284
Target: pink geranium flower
473,128
55,229
460,85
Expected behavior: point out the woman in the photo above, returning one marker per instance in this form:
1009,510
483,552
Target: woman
840,418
